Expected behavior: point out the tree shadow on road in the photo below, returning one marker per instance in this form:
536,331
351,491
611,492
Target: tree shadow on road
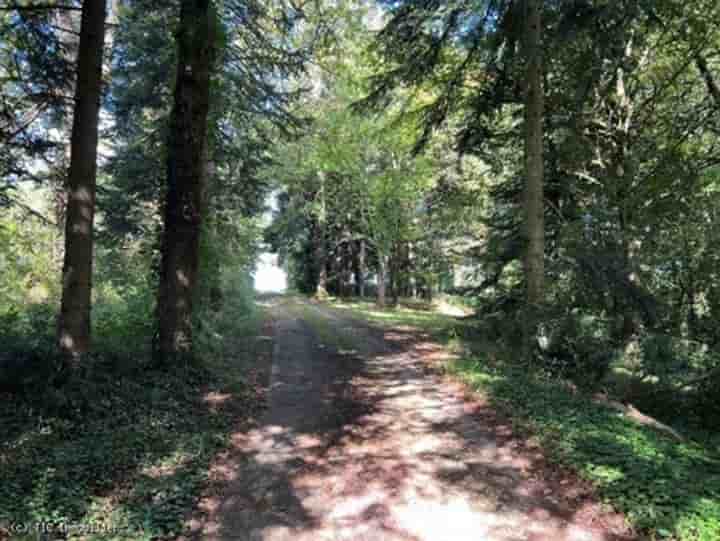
375,445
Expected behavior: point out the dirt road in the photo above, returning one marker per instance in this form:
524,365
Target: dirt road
361,441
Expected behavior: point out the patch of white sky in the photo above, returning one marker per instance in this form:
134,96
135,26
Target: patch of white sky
270,277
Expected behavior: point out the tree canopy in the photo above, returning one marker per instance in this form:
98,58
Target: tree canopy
549,169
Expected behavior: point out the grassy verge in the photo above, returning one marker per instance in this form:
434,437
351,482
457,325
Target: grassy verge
666,489
328,335
121,451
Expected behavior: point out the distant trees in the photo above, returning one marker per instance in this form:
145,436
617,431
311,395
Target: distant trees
619,118
354,182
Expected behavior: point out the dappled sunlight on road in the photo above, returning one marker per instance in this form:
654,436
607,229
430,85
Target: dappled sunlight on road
372,445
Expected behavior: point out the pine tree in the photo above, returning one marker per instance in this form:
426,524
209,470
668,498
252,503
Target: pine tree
74,320
533,200
186,170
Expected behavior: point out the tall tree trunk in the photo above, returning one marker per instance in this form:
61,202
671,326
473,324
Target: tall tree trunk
692,318
624,175
392,276
534,223
348,268
333,278
321,261
320,244
74,319
412,270
360,276
186,178
382,280
628,325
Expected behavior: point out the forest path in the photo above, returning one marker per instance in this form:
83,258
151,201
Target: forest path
361,441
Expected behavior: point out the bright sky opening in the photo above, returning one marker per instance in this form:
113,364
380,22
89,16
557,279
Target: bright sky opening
270,277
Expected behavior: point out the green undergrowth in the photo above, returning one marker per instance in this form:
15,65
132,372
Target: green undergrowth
121,450
664,487
667,489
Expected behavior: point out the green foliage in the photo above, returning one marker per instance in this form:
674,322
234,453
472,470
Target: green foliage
102,429
229,246
216,326
631,167
115,438
29,283
651,478
36,76
577,346
678,378
122,445
29,272
115,441
122,317
350,179
632,221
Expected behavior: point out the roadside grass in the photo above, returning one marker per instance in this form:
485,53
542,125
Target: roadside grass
327,333
667,489
412,314
121,450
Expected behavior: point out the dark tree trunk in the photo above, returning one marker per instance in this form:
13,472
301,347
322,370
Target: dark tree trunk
382,280
321,255
692,318
534,222
360,275
321,262
333,278
623,177
348,269
74,319
186,178
412,271
629,324
393,275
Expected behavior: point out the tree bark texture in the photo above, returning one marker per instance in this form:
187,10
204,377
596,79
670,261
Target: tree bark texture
321,261
185,178
360,275
74,318
382,279
534,220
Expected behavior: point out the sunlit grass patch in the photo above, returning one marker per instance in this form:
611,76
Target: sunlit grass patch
327,332
422,317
